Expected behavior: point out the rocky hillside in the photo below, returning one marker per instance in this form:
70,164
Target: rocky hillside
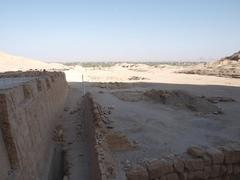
225,67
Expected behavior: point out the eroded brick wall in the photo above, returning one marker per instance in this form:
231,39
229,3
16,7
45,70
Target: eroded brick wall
102,164
28,115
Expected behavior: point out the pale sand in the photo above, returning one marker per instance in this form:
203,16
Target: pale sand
160,74
15,63
159,129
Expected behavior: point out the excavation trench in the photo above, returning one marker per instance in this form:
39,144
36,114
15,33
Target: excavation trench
56,171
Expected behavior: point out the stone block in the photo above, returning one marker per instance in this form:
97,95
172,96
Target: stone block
229,169
228,155
158,168
193,164
137,173
236,169
162,178
216,155
183,176
193,175
196,151
226,178
172,176
178,165
223,170
215,171
216,178
207,171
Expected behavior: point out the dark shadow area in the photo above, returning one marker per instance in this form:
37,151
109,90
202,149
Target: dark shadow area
56,171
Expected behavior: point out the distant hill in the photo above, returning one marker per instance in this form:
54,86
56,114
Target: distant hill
226,67
13,63
234,57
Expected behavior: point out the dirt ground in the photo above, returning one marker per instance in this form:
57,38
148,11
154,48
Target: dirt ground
143,128
158,129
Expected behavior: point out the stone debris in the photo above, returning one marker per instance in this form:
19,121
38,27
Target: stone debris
198,163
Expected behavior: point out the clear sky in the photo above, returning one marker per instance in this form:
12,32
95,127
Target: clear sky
69,30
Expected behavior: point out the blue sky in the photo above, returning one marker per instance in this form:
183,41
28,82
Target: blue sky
98,30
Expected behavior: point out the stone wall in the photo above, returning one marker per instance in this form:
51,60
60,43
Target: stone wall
28,114
197,163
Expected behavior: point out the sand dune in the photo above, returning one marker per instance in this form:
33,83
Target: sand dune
14,63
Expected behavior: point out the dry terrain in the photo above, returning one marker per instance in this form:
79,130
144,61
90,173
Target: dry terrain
150,111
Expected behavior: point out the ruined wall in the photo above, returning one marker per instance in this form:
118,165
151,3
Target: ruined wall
28,114
102,165
197,164
4,161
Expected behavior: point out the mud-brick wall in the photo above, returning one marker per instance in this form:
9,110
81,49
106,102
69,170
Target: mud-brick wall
28,115
102,165
4,162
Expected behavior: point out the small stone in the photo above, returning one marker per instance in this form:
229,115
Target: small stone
216,155
196,151
137,173
158,168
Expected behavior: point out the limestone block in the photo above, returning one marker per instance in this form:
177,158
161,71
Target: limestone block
216,178
207,161
193,164
172,176
207,171
137,173
162,178
236,152
223,170
226,178
216,155
196,151
215,171
178,165
228,155
183,176
158,168
229,169
193,175
236,169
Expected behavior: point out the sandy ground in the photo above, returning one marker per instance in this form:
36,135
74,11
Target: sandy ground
160,74
153,128
15,63
157,129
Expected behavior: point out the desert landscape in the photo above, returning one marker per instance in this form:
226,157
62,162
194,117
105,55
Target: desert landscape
133,121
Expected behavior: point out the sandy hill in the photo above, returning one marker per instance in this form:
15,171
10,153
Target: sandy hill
13,63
